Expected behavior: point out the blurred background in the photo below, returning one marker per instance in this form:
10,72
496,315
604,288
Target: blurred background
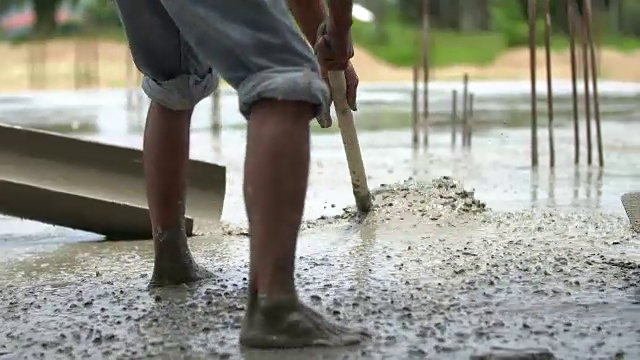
66,68
61,44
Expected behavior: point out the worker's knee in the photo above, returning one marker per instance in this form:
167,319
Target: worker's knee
176,80
175,76
182,92
294,84
256,47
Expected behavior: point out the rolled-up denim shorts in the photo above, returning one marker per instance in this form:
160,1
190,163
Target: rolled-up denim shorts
181,46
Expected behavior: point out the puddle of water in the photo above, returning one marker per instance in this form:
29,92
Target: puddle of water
495,101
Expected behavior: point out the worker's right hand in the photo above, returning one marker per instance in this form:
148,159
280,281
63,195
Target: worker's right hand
334,49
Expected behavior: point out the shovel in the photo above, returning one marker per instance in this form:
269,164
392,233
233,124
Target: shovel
92,186
631,204
349,135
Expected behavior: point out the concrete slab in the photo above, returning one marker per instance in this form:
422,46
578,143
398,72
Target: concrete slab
107,179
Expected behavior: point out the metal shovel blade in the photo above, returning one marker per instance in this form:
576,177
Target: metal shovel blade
631,203
91,186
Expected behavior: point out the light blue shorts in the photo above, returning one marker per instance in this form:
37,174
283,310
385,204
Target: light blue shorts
182,45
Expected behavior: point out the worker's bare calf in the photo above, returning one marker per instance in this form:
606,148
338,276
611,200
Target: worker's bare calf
275,184
256,47
166,157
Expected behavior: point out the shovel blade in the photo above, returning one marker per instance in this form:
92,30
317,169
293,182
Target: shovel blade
631,203
92,186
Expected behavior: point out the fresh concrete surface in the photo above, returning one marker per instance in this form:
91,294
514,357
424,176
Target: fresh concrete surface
430,273
552,266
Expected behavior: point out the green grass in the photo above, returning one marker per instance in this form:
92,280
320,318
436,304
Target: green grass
447,47
621,43
402,48
70,32
625,44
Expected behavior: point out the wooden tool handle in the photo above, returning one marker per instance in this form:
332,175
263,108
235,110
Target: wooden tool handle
338,85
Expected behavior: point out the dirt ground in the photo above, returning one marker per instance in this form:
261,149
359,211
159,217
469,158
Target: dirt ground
113,60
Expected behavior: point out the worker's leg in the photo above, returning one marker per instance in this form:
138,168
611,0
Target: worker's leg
258,50
175,81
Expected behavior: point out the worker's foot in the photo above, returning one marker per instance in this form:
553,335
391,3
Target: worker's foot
174,264
176,273
288,323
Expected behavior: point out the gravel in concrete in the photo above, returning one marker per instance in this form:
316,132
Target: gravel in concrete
431,273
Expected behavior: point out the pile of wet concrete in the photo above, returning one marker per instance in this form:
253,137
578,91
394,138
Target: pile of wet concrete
444,198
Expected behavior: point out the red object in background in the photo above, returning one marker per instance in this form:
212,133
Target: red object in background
27,18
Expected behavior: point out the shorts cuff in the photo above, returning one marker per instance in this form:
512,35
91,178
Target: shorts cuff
294,83
180,93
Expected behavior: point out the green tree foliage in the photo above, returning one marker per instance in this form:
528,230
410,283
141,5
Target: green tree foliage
510,17
102,13
98,12
45,11
45,16
511,20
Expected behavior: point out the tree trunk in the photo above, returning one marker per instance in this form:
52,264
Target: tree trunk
485,15
447,14
380,11
45,11
470,16
615,14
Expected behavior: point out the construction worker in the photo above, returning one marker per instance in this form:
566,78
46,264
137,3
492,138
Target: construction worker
181,46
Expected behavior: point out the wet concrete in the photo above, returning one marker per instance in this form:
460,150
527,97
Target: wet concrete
430,273
502,103
553,266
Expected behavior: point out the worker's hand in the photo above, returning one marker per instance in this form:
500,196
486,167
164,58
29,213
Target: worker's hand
334,49
333,46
